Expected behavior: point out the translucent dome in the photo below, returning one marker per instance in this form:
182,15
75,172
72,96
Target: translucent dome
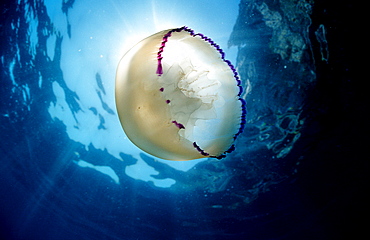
178,98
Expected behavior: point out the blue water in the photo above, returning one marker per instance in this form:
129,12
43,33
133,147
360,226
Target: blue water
69,172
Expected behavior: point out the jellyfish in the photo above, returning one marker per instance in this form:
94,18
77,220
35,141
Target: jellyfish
178,98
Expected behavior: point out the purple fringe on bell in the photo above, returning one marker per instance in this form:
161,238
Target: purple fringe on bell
159,72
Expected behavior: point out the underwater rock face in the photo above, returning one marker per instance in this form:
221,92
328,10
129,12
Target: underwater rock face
275,61
272,187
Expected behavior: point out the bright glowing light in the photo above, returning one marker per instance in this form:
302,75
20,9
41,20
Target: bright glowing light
109,29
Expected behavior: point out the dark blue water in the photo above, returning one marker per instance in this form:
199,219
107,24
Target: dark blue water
298,171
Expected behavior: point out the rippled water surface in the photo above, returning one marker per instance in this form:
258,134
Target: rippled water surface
69,172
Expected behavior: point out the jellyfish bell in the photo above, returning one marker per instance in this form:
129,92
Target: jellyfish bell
178,98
